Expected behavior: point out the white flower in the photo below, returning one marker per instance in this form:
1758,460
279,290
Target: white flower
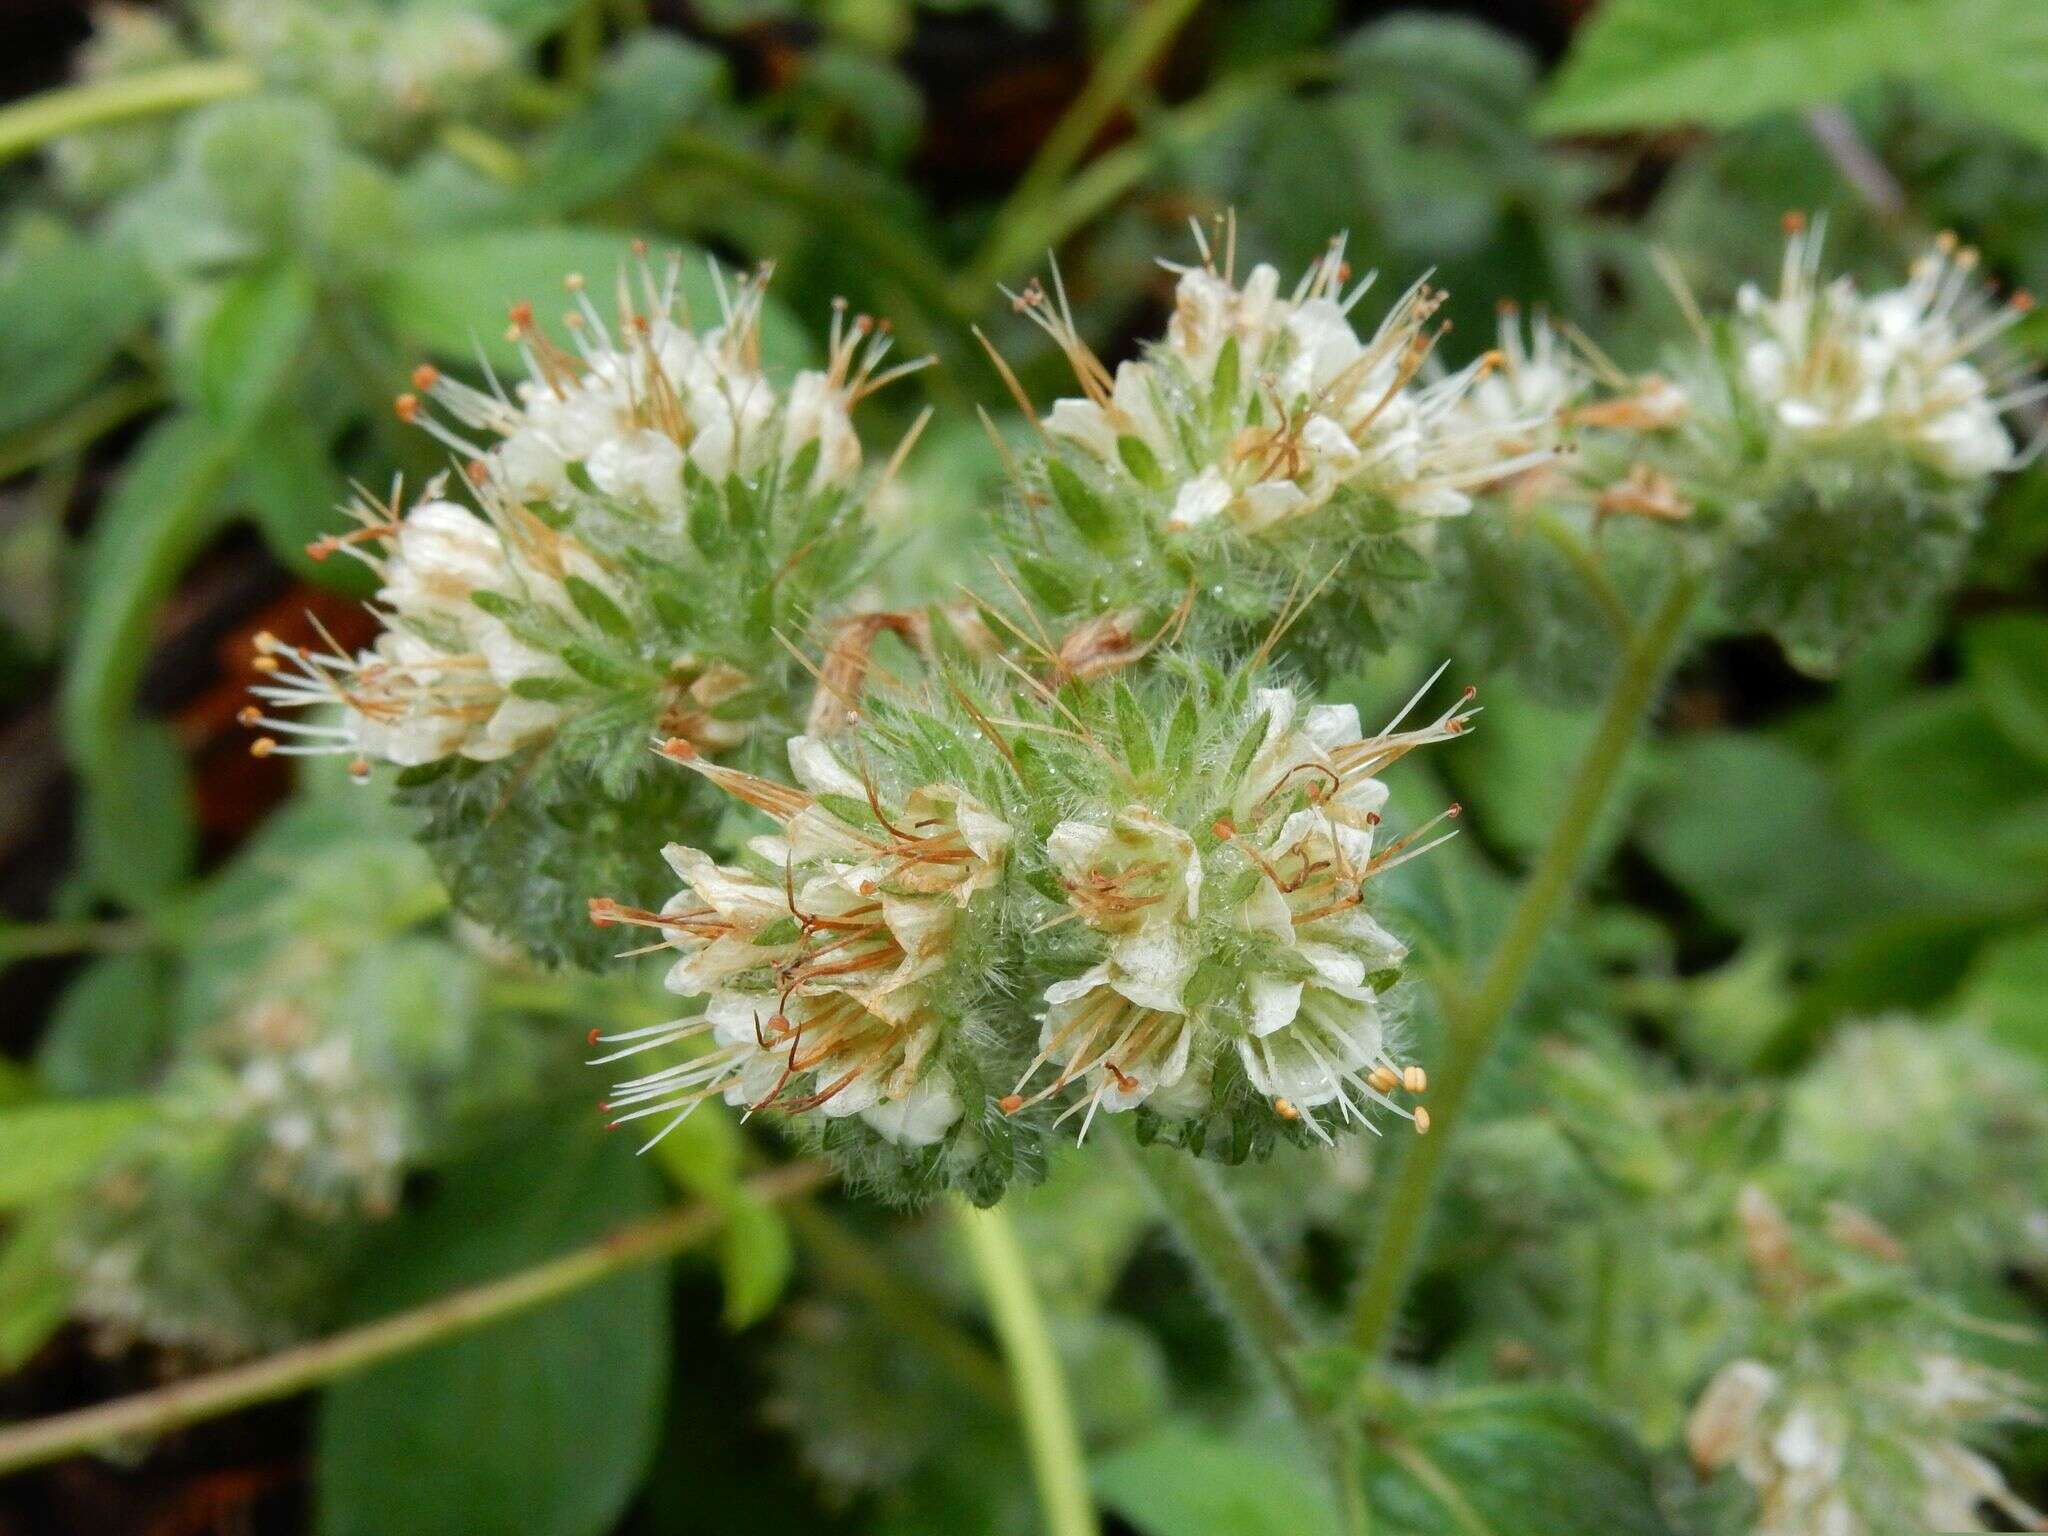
1260,409
1829,362
1849,1454
820,974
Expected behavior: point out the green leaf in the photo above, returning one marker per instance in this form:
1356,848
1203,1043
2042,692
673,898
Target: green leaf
110,1030
1141,461
243,350
1720,62
1185,1479
288,480
1511,1463
755,1255
653,83
596,605
450,296
2006,660
65,308
48,1146
1941,788
1090,515
1753,830
163,510
2006,990
528,19
541,1425
35,1288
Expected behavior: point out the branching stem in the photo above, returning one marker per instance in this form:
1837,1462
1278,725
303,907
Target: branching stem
1475,1020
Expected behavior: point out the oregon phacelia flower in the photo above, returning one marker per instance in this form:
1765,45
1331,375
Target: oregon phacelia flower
1258,410
1232,935
1904,365
821,965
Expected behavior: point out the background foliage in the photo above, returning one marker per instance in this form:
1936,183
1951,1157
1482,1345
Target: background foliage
1813,956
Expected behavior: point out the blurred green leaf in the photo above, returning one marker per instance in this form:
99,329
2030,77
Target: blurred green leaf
291,486
1939,786
529,19
48,1146
66,307
651,84
1749,827
2007,990
135,825
1645,62
1185,1479
451,296
541,1425
244,349
110,1029
2006,658
35,1289
1512,1463
755,1257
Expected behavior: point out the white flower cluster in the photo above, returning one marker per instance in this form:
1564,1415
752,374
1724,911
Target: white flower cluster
622,413
1829,362
818,975
1257,409
376,64
440,680
1836,1459
335,1136
612,424
1306,1025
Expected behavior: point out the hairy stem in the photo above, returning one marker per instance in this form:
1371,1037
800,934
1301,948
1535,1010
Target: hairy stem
1051,1438
1255,1301
26,125
1475,1020
156,1412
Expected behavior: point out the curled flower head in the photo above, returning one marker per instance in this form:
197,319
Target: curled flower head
822,965
1904,367
1227,935
622,410
1258,410
648,524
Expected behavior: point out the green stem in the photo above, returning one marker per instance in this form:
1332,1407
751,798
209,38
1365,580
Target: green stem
1474,1022
72,108
153,1413
33,941
1255,1301
1121,66
897,254
1020,234
901,1302
1051,1438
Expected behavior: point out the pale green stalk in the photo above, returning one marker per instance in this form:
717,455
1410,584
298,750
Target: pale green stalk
1052,1440
29,124
1117,73
153,1413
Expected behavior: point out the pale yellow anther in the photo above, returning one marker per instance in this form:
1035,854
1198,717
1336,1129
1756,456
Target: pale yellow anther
1414,1079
